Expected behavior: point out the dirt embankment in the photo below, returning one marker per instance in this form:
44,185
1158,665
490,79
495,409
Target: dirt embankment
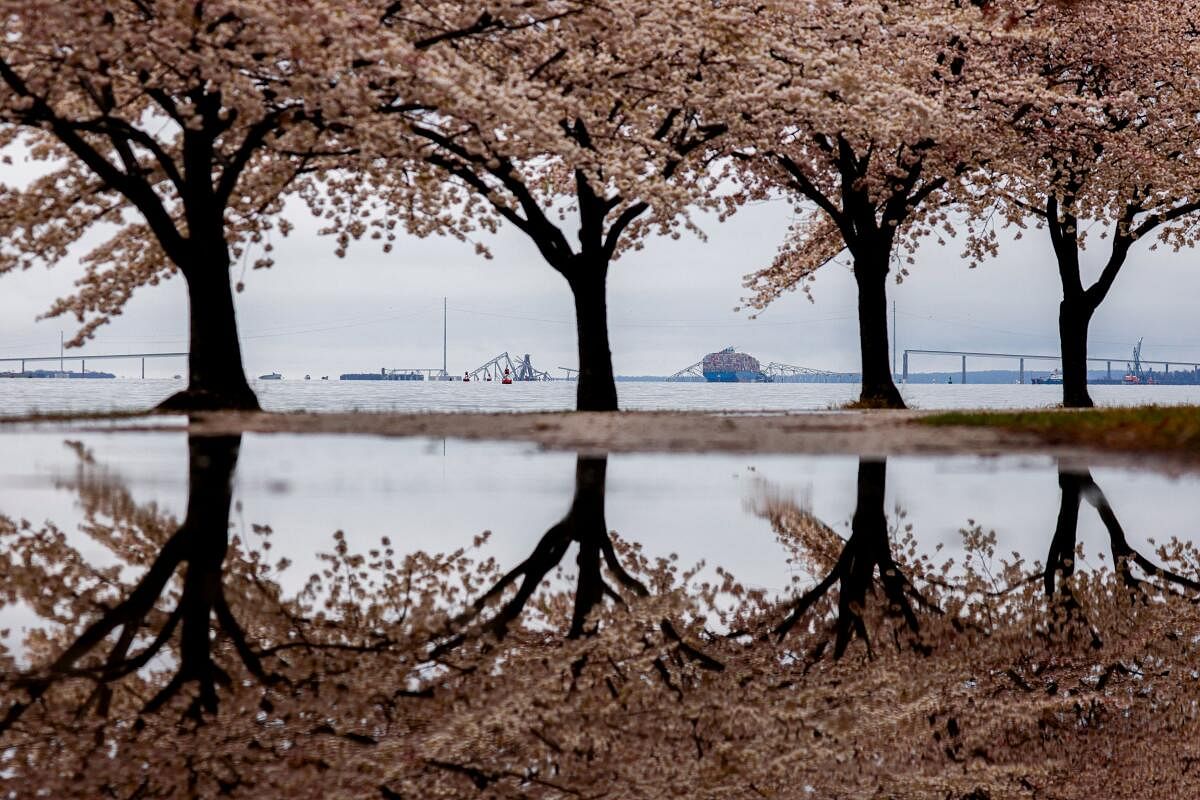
867,433
864,433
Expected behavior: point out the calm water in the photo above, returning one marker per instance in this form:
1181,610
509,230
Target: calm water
164,597
23,396
438,495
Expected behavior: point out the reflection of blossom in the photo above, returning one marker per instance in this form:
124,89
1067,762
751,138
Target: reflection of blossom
357,694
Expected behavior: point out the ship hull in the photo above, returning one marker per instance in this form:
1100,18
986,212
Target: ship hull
377,376
734,376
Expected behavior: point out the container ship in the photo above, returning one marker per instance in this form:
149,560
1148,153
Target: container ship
729,366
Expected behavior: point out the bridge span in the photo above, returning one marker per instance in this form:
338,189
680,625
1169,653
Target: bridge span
1021,358
62,358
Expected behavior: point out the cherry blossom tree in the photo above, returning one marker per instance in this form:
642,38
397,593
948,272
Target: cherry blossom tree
866,121
1097,120
586,131
176,129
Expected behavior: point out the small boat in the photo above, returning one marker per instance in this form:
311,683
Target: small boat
271,376
1055,378
308,377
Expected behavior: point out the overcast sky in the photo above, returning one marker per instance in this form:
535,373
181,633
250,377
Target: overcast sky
669,304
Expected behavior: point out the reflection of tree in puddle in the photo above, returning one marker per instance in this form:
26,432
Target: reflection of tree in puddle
438,677
1079,485
187,638
200,644
862,568
195,551
585,527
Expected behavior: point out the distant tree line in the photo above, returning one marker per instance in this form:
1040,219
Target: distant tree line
167,138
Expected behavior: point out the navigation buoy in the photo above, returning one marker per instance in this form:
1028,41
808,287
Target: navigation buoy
466,377
507,378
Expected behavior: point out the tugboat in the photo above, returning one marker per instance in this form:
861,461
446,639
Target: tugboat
271,376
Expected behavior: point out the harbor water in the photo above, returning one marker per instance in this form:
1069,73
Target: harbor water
29,396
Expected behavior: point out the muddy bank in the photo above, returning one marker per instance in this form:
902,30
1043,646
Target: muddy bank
867,433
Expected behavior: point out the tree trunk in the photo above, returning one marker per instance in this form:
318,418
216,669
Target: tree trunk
878,389
589,529
216,377
597,390
212,462
1074,316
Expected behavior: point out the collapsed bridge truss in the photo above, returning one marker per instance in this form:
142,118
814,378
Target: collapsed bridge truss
521,369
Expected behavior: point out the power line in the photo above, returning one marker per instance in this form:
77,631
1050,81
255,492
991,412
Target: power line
1044,336
296,330
661,323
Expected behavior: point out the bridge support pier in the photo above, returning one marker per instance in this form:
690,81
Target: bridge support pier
1021,379
1109,367
906,366
964,369
143,369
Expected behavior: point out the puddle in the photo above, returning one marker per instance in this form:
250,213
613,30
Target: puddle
416,616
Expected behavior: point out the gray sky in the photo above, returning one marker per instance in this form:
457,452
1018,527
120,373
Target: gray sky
669,304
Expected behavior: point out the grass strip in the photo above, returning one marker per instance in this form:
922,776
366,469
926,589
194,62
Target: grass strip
1142,428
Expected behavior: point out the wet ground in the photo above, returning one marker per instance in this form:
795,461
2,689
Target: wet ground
173,578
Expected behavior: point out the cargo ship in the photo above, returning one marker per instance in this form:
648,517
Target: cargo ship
729,366
54,373
383,375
